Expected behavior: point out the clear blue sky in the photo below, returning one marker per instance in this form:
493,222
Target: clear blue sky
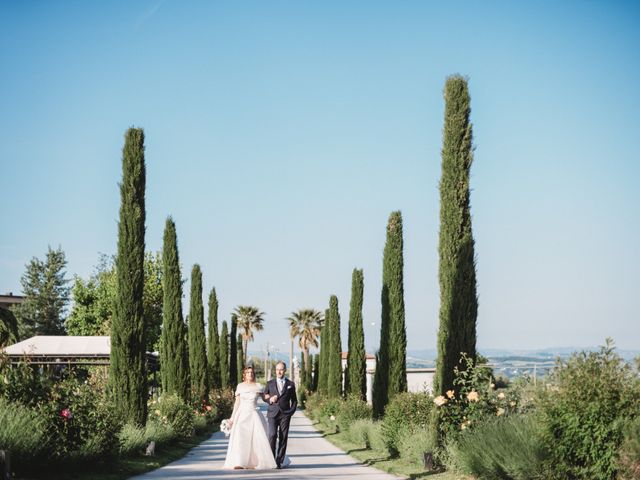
280,135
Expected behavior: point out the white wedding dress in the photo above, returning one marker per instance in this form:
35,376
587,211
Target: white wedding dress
248,442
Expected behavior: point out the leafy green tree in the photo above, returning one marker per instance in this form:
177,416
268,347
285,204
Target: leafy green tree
92,307
356,371
46,291
127,374
214,341
306,324
334,358
457,270
224,355
391,368
249,319
174,365
8,327
93,300
152,298
197,341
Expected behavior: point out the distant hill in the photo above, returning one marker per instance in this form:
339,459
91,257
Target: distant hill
542,354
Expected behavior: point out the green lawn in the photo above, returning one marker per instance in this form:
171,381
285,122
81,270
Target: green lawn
123,468
397,466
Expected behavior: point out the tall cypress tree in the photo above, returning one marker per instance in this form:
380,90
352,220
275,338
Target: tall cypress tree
334,360
233,357
224,355
325,334
391,365
356,380
241,361
127,359
316,368
174,366
303,374
213,353
457,269
197,341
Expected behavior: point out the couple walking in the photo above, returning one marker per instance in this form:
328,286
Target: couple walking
251,444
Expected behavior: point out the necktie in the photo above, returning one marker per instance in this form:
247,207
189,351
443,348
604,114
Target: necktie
280,386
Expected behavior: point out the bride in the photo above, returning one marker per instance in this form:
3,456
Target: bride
248,444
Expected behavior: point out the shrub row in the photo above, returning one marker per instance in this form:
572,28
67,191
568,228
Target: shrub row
69,420
582,423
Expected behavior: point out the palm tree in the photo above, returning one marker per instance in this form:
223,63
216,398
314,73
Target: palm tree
249,320
306,324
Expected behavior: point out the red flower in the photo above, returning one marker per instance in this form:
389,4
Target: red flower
66,414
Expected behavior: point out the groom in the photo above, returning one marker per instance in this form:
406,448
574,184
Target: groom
283,401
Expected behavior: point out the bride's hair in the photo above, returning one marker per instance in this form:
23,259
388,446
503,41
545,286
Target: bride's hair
246,369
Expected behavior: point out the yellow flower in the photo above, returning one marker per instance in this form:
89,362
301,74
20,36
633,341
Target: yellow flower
513,404
450,393
501,395
157,412
439,400
473,396
463,426
500,412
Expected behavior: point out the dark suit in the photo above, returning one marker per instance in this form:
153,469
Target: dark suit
279,415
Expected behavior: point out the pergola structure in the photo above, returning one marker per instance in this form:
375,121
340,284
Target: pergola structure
67,350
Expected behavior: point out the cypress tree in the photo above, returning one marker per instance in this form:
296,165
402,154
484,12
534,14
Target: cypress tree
308,372
197,341
241,360
334,360
356,373
314,378
323,377
457,269
127,359
174,366
233,357
391,367
213,354
224,355
303,373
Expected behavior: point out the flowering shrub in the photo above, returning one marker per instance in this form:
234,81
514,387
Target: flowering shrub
81,421
221,402
171,410
473,400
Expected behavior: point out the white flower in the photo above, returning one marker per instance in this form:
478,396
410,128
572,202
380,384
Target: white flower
473,396
332,418
439,400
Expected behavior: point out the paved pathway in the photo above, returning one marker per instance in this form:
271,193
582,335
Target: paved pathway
312,457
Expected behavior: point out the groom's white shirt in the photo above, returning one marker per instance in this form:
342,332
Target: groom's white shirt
280,384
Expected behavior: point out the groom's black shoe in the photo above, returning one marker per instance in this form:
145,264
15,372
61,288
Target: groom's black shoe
278,466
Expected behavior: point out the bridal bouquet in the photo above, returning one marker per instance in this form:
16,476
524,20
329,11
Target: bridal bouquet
225,427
